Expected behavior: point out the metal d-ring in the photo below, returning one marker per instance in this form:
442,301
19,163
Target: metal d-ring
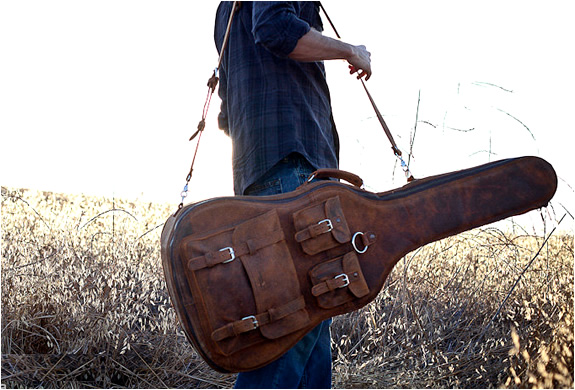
355,246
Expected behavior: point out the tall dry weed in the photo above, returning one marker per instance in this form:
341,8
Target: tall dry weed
435,322
84,304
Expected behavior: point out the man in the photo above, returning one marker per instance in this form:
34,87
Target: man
276,108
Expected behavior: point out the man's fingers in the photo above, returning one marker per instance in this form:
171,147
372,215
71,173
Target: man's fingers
361,72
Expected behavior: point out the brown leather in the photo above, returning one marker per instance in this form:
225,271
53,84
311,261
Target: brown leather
326,173
250,276
321,226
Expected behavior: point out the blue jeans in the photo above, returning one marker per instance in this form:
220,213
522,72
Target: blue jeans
308,363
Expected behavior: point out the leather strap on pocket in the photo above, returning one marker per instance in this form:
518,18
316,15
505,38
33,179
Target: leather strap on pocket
321,227
230,253
253,322
338,281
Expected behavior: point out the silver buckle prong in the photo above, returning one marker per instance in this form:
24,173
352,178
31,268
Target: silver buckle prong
328,222
232,254
345,280
254,321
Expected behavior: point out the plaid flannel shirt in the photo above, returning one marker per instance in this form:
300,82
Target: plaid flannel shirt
272,106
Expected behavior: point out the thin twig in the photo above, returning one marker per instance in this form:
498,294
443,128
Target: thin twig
32,263
482,83
17,197
105,212
412,140
53,367
460,130
150,368
130,372
151,230
522,124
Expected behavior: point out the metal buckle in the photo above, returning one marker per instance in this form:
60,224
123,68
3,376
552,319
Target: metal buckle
254,321
345,280
355,246
329,224
232,254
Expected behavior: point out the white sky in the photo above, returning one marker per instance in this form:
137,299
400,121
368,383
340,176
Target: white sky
101,96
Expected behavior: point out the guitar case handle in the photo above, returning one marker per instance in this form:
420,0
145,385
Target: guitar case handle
327,173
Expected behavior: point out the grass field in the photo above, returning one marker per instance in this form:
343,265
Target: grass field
84,304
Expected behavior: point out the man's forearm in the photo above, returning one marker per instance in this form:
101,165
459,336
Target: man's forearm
314,46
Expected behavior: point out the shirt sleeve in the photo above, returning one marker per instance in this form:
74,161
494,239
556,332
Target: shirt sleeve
223,93
222,16
277,27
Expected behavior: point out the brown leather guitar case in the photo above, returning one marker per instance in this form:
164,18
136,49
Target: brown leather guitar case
250,276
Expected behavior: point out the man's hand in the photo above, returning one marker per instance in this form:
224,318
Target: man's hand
360,62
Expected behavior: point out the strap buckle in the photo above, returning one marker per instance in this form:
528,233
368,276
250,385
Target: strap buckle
329,224
254,321
345,280
232,254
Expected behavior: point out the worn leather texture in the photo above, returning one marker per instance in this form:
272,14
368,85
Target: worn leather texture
249,276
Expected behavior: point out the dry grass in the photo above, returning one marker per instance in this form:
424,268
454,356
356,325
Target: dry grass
84,304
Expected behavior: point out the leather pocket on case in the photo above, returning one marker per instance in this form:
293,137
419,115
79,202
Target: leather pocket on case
338,281
321,227
273,278
247,283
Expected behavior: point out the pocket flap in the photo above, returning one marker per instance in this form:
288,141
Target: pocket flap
338,281
334,213
321,226
272,276
357,283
